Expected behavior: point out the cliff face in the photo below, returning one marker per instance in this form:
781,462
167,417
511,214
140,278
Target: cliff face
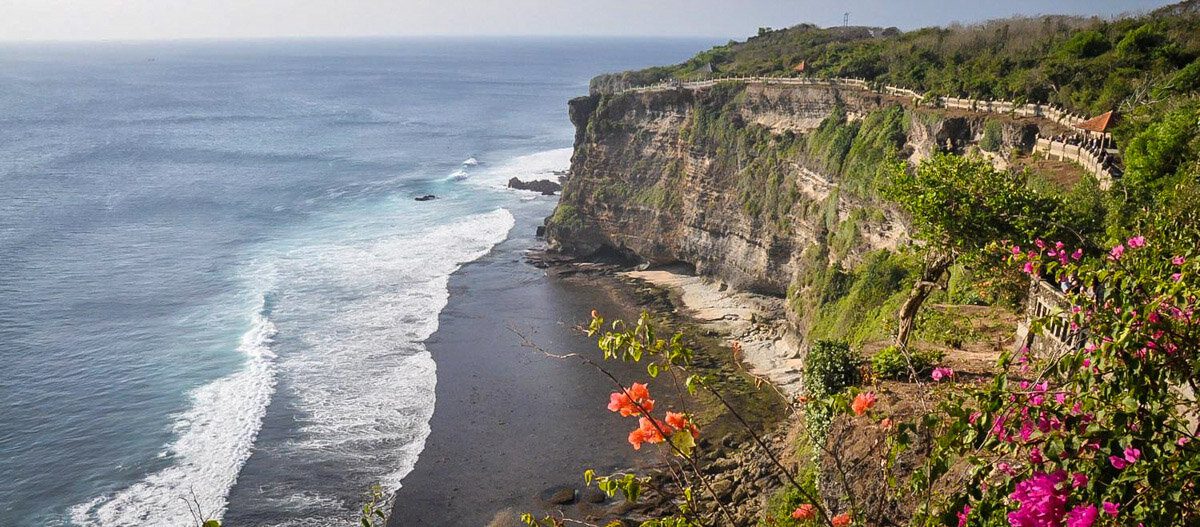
749,184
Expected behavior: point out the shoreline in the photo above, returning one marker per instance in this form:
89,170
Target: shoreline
513,431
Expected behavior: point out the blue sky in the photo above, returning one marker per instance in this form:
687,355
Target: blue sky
169,19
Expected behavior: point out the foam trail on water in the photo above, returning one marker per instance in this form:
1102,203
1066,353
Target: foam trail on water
357,371
539,165
213,439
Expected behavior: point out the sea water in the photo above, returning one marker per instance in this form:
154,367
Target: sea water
213,270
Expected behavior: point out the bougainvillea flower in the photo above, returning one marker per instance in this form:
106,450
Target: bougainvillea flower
1079,479
1118,463
942,373
1137,242
863,402
680,422
1082,516
804,512
623,402
1042,502
1132,454
646,432
1117,252
1178,260
963,514
1111,508
841,520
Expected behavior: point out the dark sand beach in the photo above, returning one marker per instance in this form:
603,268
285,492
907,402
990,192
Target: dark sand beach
510,423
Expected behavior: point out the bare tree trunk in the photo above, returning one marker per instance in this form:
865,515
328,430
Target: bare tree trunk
936,264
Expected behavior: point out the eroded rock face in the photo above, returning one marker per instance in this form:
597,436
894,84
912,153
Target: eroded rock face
642,188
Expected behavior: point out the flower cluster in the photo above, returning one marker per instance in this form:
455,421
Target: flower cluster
636,401
1048,422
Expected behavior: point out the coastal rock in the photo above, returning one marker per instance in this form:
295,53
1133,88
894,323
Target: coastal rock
426,197
593,495
560,495
545,186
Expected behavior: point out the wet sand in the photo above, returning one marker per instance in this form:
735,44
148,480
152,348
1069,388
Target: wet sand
510,423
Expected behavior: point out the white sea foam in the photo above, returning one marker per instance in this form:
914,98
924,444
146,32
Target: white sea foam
471,161
356,302
539,165
213,439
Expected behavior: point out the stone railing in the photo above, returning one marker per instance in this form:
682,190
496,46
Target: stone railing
1099,163
1048,304
1045,111
1093,159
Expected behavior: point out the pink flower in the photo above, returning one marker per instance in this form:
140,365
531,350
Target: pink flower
1118,463
1079,479
1077,254
1111,508
1132,454
1183,441
942,373
1117,252
1176,277
1137,242
1082,516
1178,260
1042,502
963,514
1028,268
1039,243
1016,250
1035,455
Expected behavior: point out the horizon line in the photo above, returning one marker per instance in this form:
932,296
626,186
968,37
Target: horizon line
416,36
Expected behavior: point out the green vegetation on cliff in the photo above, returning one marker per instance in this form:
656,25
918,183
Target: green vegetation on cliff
1088,64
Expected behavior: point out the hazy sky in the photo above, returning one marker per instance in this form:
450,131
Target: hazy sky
167,19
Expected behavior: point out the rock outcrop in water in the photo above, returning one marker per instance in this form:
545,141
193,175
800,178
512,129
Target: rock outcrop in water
545,186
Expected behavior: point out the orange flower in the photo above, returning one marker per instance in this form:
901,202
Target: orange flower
886,424
804,512
646,432
623,402
863,402
679,421
841,520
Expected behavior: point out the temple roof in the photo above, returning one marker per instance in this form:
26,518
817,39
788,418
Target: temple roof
1099,123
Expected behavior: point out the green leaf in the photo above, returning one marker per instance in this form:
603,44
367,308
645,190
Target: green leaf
683,441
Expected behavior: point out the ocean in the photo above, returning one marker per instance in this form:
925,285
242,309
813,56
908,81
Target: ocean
214,273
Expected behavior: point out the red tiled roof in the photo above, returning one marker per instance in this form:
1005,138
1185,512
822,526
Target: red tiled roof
1099,123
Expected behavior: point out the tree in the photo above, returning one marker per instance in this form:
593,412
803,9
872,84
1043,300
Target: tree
959,206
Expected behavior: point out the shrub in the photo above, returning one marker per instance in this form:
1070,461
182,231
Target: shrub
891,363
829,368
992,136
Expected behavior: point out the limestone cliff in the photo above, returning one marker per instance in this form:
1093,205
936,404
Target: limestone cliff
750,184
